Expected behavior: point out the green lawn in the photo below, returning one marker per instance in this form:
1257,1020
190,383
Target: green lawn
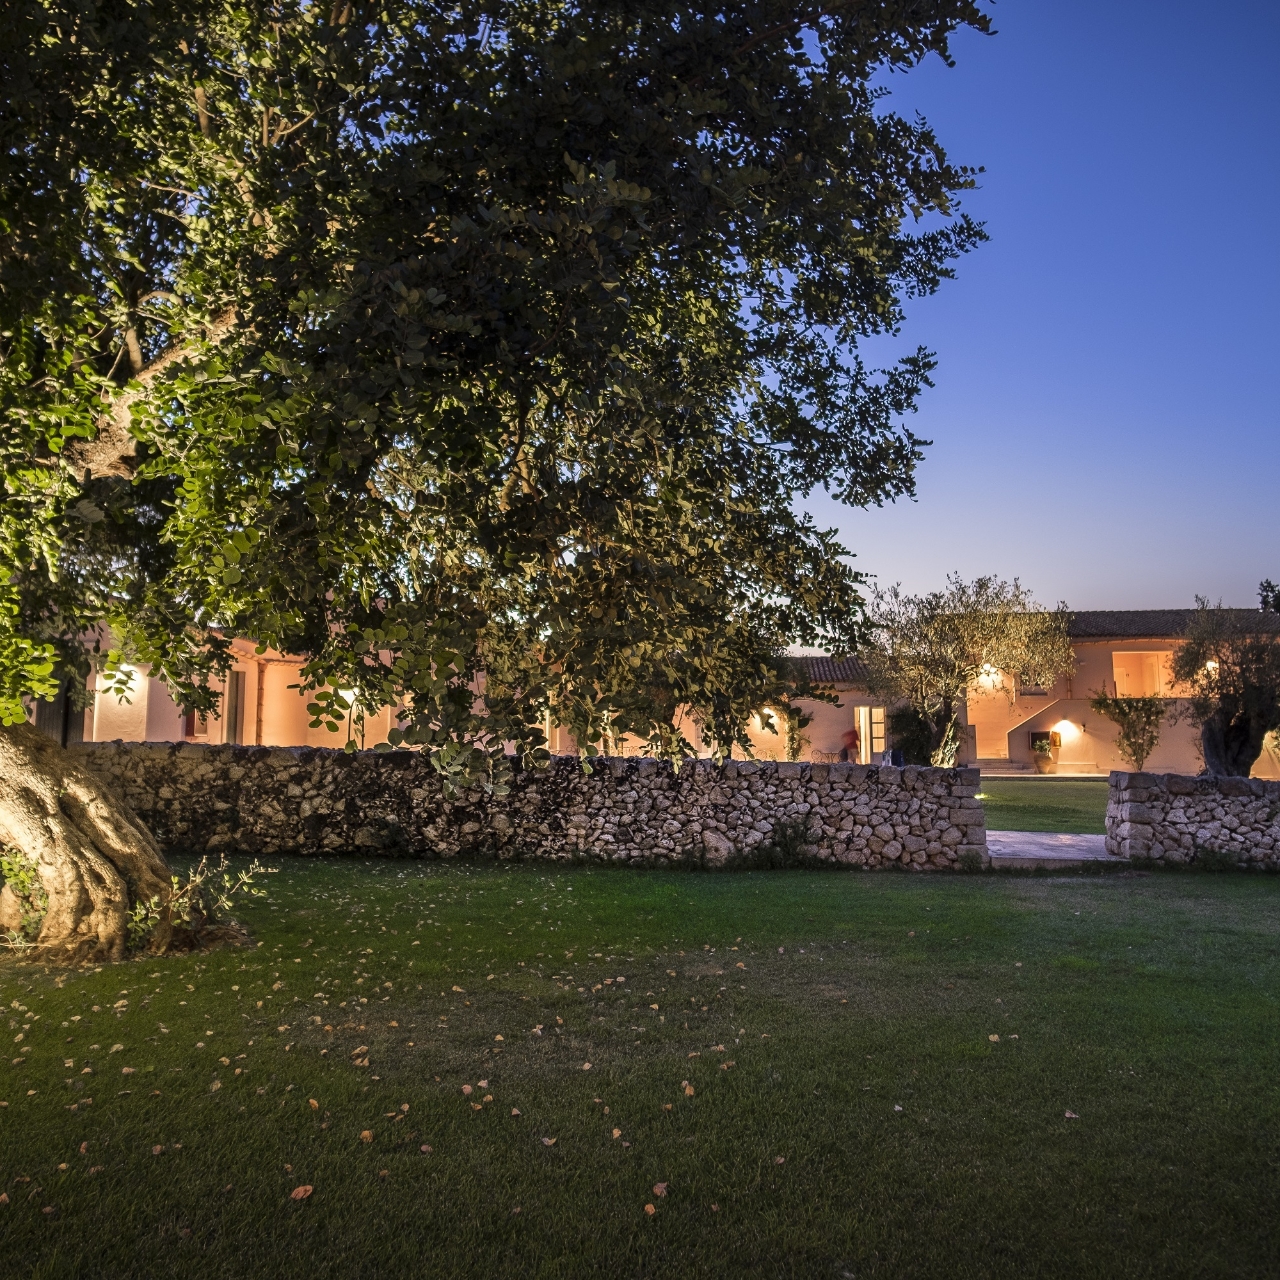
1045,804
849,1110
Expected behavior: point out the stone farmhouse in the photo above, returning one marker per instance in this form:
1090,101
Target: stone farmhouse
1121,651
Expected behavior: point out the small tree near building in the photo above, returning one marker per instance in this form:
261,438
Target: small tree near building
1229,662
931,652
1138,720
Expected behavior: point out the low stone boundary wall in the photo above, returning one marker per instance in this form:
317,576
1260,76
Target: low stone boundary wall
1171,818
306,800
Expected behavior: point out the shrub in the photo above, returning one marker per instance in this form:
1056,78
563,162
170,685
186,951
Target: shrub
1215,860
787,846
23,879
970,861
910,733
1138,720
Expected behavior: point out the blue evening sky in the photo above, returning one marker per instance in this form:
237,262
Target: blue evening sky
1105,416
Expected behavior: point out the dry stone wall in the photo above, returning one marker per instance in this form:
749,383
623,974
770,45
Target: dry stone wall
1171,818
266,800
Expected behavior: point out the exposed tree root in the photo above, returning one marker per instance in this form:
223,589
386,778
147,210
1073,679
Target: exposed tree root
94,858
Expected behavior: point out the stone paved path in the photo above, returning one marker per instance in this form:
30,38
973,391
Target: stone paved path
1046,849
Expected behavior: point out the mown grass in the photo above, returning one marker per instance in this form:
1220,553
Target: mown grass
1045,804
869,1125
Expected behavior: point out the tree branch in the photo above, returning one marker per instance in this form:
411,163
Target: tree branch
111,451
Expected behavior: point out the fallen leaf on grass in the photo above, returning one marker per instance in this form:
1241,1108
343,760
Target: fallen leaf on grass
586,1066
650,1210
548,1142
896,1107
366,1135
84,1146
617,1133
659,1188
459,989
688,1088
515,1111
4,1197
155,1151
315,1106
724,1066
215,1086
382,1173
300,1193
666,1106
993,1039
466,1091
425,1148
1071,1115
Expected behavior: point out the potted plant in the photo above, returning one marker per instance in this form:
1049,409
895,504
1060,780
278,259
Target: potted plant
1042,752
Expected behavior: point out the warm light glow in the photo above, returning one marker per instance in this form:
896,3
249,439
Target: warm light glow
989,676
1211,665
1067,730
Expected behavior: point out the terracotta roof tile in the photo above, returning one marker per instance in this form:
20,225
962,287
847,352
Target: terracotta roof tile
1154,624
822,669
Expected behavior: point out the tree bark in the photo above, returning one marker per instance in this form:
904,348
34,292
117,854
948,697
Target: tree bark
94,857
1231,743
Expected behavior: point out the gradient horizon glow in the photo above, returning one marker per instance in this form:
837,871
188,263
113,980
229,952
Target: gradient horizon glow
1105,417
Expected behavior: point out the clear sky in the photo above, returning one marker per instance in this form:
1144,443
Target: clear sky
1105,417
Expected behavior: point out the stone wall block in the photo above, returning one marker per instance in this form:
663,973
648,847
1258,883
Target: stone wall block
1175,817
309,800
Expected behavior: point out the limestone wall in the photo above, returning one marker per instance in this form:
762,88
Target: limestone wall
1169,817
305,800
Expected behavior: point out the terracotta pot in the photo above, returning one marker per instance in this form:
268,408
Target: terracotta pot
1045,764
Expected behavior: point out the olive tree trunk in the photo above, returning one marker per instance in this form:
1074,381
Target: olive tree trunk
1231,743
94,857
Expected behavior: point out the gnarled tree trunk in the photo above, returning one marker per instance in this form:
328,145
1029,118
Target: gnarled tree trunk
1231,740
94,857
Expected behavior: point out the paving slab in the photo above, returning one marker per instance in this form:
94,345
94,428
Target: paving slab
1049,849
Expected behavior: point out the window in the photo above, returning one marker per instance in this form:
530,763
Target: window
877,729
1139,675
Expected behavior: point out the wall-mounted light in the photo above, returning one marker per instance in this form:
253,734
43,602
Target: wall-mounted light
989,676
1066,730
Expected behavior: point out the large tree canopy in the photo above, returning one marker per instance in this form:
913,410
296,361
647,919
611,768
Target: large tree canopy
427,338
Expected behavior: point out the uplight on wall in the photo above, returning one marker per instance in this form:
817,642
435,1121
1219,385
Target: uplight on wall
989,677
1066,730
